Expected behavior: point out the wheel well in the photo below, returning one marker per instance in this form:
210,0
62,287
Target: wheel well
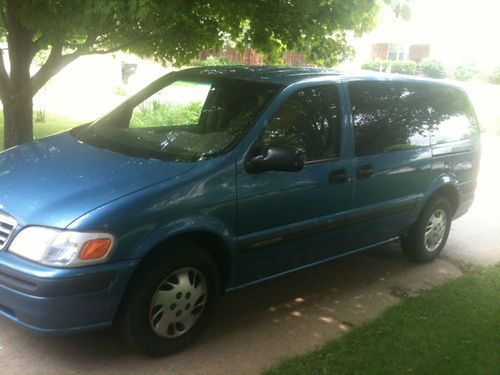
207,240
450,192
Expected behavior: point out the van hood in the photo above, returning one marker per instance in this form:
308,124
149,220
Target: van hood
55,180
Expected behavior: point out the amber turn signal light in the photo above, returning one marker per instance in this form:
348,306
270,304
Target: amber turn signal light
95,249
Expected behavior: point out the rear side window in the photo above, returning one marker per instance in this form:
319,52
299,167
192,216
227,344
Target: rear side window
388,116
452,116
307,120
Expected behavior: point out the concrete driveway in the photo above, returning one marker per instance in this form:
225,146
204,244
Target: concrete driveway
257,326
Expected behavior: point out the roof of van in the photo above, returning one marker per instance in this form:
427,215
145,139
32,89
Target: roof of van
288,75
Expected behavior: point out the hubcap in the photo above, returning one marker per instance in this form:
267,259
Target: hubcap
178,302
435,230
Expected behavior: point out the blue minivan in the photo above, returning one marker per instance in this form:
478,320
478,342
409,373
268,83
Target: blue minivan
212,179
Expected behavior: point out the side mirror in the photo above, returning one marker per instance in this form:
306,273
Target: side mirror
277,158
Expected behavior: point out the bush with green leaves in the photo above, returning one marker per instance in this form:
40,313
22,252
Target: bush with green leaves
119,91
495,76
465,72
404,67
372,65
432,68
155,114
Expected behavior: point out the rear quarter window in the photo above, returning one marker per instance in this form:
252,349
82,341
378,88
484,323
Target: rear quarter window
388,116
451,114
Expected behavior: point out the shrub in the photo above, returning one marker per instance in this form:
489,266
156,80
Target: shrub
119,90
154,113
39,115
432,68
465,72
372,65
495,76
404,67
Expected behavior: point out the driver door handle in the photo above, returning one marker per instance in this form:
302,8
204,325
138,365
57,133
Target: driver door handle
338,176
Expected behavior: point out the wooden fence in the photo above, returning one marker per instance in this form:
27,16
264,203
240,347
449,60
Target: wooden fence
251,57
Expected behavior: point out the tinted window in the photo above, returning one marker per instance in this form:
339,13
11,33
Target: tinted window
389,116
307,120
452,115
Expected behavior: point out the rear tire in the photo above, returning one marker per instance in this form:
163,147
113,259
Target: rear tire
170,300
427,237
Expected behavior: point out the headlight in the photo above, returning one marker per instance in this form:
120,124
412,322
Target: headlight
61,248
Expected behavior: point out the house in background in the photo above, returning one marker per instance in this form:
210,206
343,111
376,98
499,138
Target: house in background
393,39
450,31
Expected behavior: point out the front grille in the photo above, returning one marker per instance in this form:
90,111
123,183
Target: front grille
7,226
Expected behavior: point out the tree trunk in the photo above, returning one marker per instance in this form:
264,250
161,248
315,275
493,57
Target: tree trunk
18,121
17,102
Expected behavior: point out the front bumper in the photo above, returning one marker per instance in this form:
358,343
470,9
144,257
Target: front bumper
58,301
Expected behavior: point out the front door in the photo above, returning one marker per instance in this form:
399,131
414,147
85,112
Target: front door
290,219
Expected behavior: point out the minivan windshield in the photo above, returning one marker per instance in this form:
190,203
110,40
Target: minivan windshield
184,120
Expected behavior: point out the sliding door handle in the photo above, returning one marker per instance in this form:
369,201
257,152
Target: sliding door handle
364,171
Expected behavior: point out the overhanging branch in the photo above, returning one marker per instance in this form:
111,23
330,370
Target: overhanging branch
120,47
54,64
57,61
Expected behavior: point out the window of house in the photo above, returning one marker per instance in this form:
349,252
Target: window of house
308,120
397,52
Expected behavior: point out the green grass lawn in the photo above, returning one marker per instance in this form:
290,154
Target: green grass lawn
452,329
53,124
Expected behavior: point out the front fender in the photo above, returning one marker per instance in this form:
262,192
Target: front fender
186,225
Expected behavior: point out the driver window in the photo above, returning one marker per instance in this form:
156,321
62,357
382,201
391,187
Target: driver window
309,121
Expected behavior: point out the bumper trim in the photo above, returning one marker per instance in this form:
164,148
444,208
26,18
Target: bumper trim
46,287
5,312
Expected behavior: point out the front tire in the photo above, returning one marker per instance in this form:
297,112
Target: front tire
427,238
170,300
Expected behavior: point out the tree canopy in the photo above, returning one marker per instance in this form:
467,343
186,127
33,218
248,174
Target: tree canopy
173,31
